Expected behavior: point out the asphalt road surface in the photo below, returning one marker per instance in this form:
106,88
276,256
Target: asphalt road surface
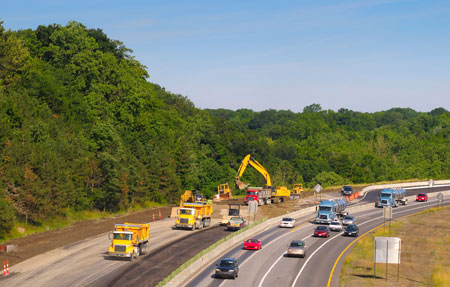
85,264
271,267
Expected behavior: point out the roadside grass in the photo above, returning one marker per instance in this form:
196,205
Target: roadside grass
205,251
425,255
66,218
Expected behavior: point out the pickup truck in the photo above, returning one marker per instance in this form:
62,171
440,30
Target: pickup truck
236,223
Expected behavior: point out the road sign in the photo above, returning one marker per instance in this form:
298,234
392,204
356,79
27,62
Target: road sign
318,188
440,196
387,250
387,212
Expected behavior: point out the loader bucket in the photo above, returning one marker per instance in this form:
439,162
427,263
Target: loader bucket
241,185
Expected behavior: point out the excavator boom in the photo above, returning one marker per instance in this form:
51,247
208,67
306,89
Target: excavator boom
248,159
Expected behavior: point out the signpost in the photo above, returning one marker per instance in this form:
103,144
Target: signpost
252,208
318,189
387,250
387,214
440,198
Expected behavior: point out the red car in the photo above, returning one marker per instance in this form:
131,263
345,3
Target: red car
253,244
422,197
322,231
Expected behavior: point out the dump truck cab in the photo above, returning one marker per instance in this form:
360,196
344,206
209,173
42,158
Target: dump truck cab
194,215
129,240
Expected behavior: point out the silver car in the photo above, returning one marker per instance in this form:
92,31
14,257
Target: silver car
287,222
336,226
348,219
296,248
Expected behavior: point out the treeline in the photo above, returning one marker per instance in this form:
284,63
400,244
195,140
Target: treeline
81,127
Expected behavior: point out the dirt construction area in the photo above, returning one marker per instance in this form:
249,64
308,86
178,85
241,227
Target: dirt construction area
76,255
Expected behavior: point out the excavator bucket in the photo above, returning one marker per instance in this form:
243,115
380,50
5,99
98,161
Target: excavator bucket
241,185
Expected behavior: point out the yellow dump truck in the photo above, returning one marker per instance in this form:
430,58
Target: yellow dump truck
280,193
129,240
194,215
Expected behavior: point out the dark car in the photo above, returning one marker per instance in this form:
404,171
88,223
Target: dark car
351,230
347,190
227,268
322,231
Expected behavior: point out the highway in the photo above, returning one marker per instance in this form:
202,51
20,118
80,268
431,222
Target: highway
85,263
270,266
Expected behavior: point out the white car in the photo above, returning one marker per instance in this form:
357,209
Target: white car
336,226
287,222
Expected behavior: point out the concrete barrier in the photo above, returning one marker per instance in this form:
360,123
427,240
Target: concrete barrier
402,185
196,267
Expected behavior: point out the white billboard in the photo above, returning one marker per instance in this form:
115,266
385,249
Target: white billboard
387,250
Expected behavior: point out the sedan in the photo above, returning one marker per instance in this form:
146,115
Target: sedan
322,231
252,244
336,226
287,222
227,268
351,230
348,219
422,197
296,248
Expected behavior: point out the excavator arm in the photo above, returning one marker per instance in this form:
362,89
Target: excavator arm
248,159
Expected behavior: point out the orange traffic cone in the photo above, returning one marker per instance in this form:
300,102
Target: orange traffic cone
4,268
153,216
7,267
159,217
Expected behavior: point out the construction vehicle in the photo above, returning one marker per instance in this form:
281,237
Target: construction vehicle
194,215
189,196
331,210
280,194
129,240
391,197
248,159
262,195
259,194
233,210
297,189
223,192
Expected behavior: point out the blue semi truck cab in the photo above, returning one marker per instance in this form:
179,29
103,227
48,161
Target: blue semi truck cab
330,210
391,197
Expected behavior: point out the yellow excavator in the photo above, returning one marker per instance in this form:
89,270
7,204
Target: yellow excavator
189,196
248,159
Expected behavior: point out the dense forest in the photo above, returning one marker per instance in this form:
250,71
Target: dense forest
82,127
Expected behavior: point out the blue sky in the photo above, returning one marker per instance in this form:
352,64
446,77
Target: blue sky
361,55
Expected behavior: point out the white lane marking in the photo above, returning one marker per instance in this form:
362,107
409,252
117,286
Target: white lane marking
268,244
273,265
273,241
306,262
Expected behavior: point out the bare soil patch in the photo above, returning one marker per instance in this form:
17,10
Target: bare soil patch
38,243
